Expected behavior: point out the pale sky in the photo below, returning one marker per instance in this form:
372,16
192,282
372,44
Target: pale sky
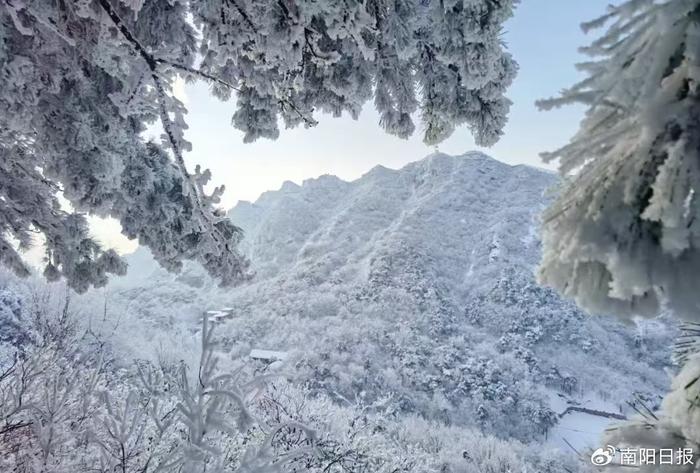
543,36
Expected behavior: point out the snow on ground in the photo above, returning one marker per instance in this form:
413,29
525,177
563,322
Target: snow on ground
580,431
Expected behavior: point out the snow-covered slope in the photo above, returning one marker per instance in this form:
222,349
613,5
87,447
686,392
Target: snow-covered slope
411,290
452,208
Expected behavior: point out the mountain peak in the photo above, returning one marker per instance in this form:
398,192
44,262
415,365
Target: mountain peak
289,186
323,180
472,154
378,171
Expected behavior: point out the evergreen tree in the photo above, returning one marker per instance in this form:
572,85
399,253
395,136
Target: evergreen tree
624,235
81,80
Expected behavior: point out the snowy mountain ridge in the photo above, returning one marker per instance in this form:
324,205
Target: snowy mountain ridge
413,290
366,217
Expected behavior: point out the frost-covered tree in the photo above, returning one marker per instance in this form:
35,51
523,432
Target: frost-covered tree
70,404
624,235
82,80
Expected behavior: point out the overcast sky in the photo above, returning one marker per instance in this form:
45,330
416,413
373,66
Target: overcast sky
543,36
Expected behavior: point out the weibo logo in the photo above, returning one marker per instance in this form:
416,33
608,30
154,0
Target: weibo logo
603,456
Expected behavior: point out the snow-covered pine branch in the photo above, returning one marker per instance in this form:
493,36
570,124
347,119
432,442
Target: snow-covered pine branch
624,235
82,80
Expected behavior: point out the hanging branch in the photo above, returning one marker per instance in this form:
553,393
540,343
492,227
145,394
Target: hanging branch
219,239
197,72
204,75
193,188
114,16
243,15
153,61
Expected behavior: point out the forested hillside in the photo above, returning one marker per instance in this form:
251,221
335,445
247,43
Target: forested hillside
412,291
